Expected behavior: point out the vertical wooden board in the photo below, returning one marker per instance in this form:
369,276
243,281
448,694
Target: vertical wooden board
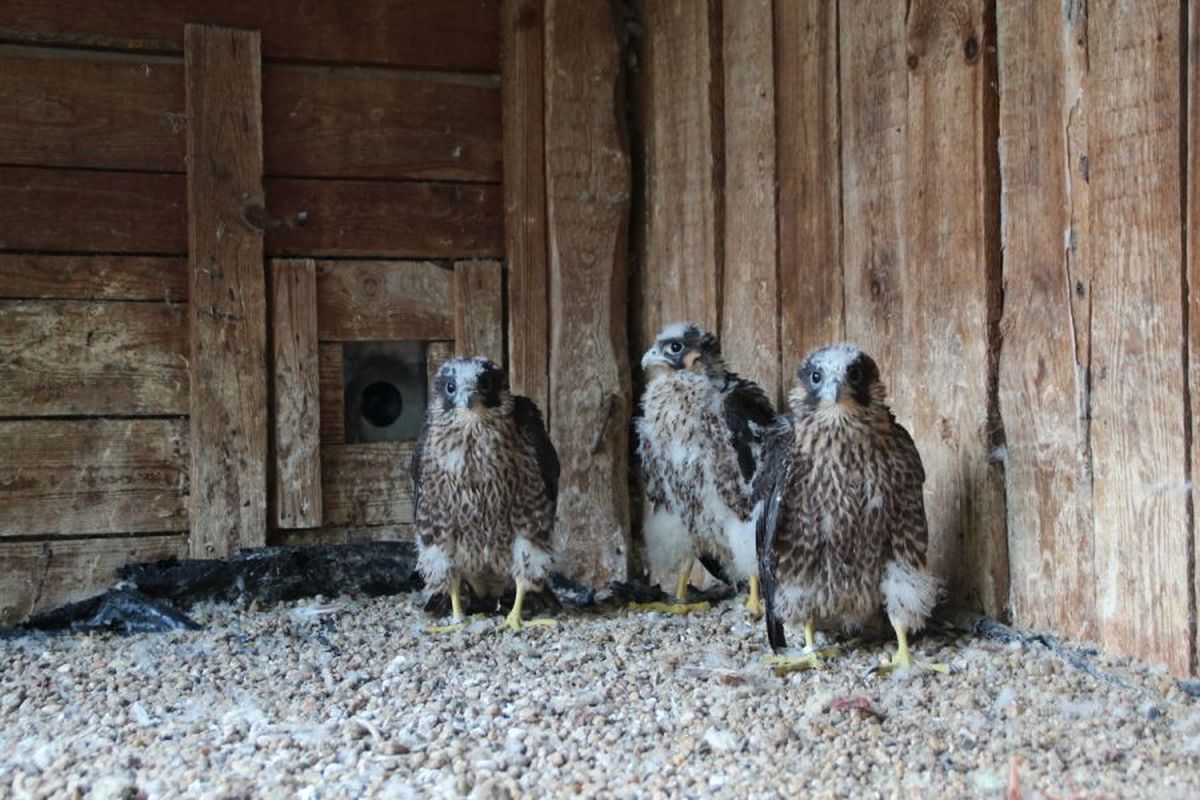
332,392
297,394
41,576
1138,433
681,265
227,290
479,309
749,302
943,380
587,190
522,98
807,133
436,354
1192,249
1043,387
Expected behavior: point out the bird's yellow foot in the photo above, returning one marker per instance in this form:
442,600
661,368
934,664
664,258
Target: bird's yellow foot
903,660
754,600
513,621
813,659
677,607
453,627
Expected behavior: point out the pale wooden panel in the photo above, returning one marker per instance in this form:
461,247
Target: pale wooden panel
367,484
69,357
680,275
68,477
810,256
749,303
332,393
366,219
31,276
1193,281
297,394
70,211
41,576
587,189
1138,431
942,382
522,87
1043,389
479,309
436,354
227,291
381,300
449,34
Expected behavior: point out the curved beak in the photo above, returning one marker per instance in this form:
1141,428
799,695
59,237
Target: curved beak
654,358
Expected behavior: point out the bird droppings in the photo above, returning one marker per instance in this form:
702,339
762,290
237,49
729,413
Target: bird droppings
302,701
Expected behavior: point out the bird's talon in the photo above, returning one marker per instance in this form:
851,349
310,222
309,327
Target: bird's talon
671,608
784,665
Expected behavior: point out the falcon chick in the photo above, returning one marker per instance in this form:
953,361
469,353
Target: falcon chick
485,485
698,440
843,528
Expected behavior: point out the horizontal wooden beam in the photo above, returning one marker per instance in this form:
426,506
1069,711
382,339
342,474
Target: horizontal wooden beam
28,276
382,300
367,484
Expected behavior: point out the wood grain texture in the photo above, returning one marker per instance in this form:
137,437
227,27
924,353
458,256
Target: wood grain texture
346,534
808,130
587,189
1138,431
41,576
72,211
1192,245
749,301
79,358
91,112
680,278
353,123
332,393
522,89
227,292
479,309
1043,388
380,300
450,34
436,354
367,484
64,477
296,393
942,384
365,219
30,276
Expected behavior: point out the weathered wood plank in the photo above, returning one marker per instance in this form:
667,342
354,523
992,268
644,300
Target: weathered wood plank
367,484
387,220
297,394
227,291
1192,245
69,357
1043,388
680,277
63,477
587,189
61,210
392,532
41,576
1138,431
951,254
479,309
25,276
522,88
807,125
332,393
350,123
380,300
91,112
450,34
436,354
749,303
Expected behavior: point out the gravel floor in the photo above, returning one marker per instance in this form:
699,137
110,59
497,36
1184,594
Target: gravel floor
351,699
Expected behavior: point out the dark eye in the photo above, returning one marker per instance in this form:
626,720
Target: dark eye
451,387
854,374
484,383
815,377
674,347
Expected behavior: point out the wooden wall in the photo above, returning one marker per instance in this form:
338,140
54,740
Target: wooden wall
993,198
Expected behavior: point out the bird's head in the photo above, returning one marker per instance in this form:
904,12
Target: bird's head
838,378
475,384
684,346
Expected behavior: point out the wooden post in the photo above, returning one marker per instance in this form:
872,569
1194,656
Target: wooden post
227,290
297,394
587,188
522,91
479,309
1192,250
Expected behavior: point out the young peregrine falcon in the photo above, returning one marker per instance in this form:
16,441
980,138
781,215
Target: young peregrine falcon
485,484
698,440
843,530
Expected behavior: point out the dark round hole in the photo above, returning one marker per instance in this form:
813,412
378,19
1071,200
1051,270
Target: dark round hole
381,404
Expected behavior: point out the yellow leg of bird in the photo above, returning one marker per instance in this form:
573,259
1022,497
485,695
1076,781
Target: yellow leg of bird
681,584
680,606
456,609
903,658
514,622
754,599
812,657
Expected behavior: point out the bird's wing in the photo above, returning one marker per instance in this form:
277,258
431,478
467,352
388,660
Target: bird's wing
769,485
909,529
532,428
417,457
748,413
